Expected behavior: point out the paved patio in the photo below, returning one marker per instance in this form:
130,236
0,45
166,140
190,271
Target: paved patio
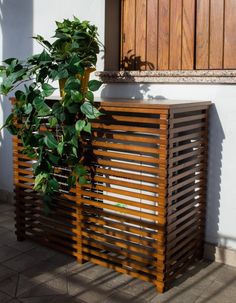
30,273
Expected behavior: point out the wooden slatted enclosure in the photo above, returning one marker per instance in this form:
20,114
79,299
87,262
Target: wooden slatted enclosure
143,211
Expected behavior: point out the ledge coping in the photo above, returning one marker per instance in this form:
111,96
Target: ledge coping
193,76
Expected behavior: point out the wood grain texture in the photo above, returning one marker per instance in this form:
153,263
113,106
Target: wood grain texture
230,36
202,34
163,34
216,34
141,35
128,34
175,60
152,34
188,35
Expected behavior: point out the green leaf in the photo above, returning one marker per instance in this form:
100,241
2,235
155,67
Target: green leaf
50,140
79,125
60,148
90,96
10,61
71,181
27,108
48,89
20,96
72,84
41,107
80,170
73,108
83,180
44,57
40,180
53,121
74,150
53,158
76,96
88,127
53,184
94,85
89,110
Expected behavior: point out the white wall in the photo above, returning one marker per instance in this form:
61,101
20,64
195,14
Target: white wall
221,204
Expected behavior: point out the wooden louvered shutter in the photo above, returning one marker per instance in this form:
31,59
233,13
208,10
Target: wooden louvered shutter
216,34
178,34
158,34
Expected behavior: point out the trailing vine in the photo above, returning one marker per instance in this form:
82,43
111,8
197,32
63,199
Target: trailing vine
51,132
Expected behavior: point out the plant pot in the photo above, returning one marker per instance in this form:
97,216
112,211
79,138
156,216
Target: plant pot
83,79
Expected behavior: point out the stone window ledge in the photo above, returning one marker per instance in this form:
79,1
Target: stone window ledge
193,76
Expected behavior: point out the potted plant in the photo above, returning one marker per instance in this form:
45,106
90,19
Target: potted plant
51,133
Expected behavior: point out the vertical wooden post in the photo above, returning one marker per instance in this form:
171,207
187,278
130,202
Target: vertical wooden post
79,216
19,204
164,154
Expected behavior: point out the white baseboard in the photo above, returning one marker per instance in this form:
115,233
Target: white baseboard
6,196
220,254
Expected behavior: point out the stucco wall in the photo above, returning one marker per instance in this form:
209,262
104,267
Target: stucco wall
25,18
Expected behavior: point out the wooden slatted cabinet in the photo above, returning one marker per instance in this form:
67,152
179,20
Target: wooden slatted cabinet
143,212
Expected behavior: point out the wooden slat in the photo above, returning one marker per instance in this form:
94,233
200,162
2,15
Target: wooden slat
230,37
216,34
141,30
188,34
163,35
202,34
175,60
128,37
123,201
152,37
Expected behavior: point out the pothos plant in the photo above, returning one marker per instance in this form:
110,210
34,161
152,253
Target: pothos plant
51,132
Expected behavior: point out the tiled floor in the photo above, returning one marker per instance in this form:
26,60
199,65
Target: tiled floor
30,273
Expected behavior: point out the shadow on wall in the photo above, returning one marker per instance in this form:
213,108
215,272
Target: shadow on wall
216,138
16,22
137,91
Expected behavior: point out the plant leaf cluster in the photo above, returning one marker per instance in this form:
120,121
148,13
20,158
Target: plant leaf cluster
52,132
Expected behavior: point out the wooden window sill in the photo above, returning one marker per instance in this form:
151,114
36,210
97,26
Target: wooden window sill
193,76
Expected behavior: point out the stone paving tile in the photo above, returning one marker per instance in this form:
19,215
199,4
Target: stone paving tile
8,224
51,299
6,216
24,284
139,289
6,272
220,288
217,299
62,260
41,253
9,285
226,274
6,207
175,295
87,290
92,271
21,262
44,271
116,280
55,286
3,230
4,298
7,253
9,239
119,297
